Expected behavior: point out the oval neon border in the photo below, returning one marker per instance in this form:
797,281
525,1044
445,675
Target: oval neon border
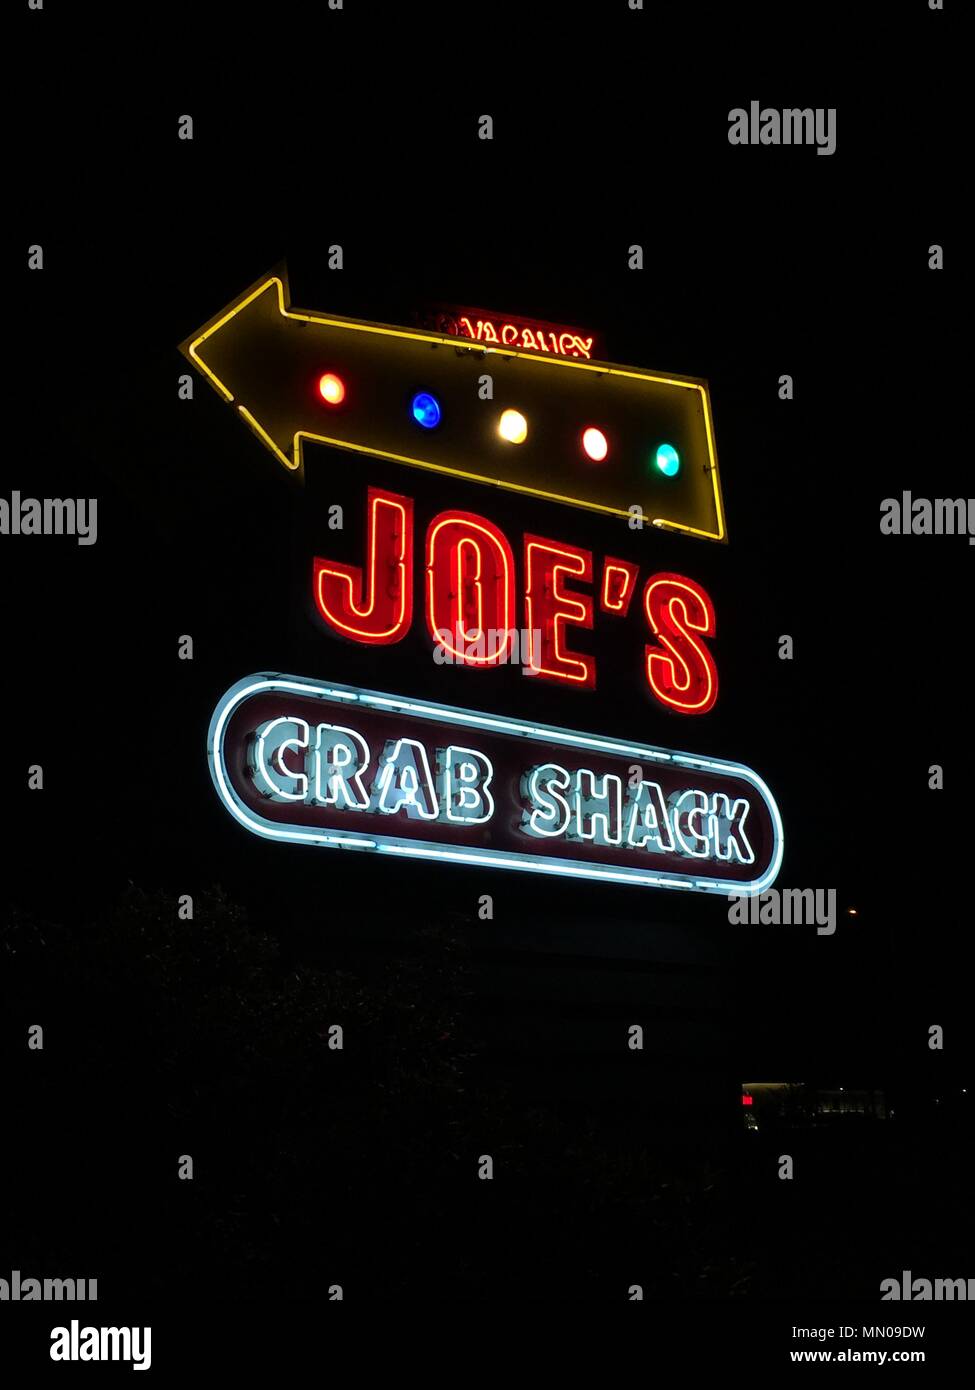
452,714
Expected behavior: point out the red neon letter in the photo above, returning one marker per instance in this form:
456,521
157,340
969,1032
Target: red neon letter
470,588
375,606
619,582
684,676
548,610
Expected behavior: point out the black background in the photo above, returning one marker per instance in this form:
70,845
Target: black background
465,1037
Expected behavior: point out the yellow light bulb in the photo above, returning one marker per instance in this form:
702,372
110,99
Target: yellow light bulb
513,426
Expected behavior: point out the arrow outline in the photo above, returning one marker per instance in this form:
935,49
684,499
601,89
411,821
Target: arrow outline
279,278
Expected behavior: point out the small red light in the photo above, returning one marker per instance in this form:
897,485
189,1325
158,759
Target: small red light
746,1100
331,388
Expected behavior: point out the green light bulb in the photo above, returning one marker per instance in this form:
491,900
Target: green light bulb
667,460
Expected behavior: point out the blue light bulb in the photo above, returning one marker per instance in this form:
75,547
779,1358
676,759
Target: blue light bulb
426,410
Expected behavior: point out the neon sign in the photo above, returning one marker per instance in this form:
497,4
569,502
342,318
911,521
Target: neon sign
470,586
336,766
373,604
513,331
470,591
305,761
683,676
416,398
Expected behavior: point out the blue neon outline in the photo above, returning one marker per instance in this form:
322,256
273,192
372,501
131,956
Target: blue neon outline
453,714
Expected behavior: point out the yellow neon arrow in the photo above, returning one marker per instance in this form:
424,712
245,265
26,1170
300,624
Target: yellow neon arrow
264,357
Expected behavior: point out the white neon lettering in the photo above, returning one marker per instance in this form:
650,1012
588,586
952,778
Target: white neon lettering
404,782
548,813
341,757
726,825
270,752
691,806
270,774
466,777
598,814
647,819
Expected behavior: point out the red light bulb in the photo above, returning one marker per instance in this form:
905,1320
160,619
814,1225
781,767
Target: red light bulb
331,388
